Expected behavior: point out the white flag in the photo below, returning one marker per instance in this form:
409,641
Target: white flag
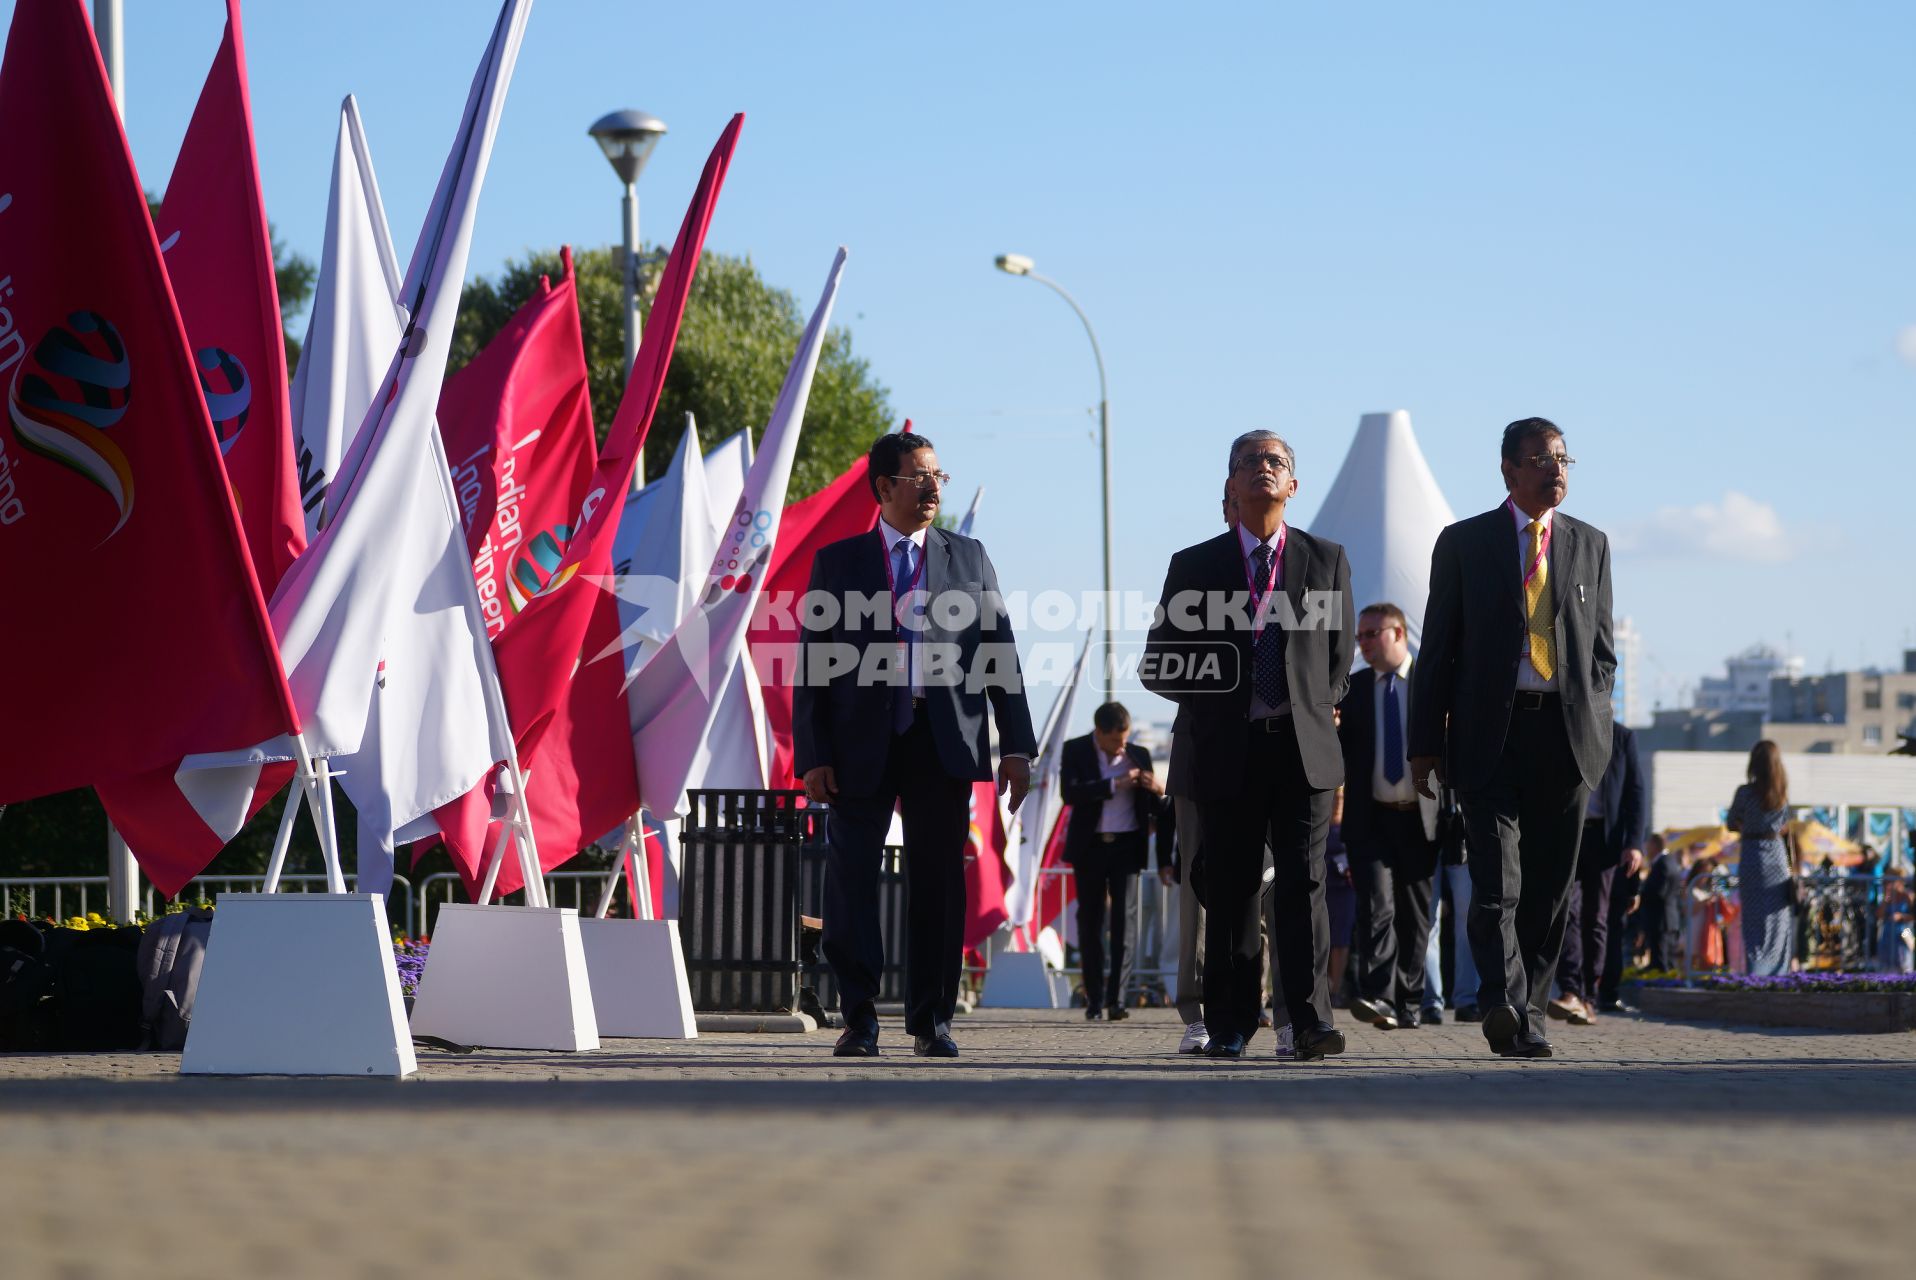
676,695
1042,802
725,467
385,649
355,324
971,513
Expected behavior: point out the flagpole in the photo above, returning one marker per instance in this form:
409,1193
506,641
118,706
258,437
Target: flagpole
320,806
283,840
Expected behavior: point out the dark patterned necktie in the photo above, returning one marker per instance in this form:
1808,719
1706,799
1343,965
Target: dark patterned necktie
1268,678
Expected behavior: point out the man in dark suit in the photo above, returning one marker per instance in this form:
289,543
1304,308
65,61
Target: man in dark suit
1390,832
1113,794
1253,639
1612,848
908,643
1511,698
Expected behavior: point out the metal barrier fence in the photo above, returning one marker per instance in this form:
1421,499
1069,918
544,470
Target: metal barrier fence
579,889
63,896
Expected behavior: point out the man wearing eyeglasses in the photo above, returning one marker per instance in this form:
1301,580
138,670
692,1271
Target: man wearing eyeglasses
1510,704
1253,640
904,642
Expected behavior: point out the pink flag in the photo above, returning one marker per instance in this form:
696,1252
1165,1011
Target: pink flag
517,423
219,255
538,653
842,509
135,629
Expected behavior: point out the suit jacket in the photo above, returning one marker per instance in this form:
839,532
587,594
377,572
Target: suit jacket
846,722
1206,669
1465,681
1623,796
1357,735
1083,786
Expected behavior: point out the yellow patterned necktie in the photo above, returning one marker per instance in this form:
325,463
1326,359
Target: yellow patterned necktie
1539,622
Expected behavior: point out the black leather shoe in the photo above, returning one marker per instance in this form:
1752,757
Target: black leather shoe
1093,1014
857,1042
1231,1046
937,1045
1469,1013
1116,1013
1433,1017
1409,1019
1320,1041
1502,1025
1375,1012
1528,1044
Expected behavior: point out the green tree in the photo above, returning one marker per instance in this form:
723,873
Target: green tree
734,346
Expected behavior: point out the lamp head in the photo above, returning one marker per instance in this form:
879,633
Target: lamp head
627,138
1015,264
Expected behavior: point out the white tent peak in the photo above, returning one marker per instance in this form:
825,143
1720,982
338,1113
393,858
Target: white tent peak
1386,510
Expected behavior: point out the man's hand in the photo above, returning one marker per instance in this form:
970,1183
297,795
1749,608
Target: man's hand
1124,781
1165,877
821,784
1014,779
1149,781
1424,771
1632,859
1337,717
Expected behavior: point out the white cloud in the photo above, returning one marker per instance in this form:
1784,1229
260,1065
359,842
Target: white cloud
1738,527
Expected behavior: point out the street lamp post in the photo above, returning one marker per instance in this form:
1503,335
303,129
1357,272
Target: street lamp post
1017,264
627,138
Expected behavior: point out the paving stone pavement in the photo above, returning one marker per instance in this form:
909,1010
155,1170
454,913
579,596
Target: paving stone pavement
1054,1147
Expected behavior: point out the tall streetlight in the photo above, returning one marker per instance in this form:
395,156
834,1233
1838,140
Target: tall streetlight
627,138
1017,264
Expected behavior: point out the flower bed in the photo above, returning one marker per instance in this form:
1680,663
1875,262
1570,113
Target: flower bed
1857,1002
410,956
1792,982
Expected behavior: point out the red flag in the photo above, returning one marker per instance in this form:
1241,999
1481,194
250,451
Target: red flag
538,653
1055,892
219,255
135,629
842,509
517,422
984,865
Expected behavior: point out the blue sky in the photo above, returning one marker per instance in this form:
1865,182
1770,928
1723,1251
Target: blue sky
1685,232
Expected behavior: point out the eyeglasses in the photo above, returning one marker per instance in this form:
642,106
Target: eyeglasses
1551,461
1272,462
925,479
1372,633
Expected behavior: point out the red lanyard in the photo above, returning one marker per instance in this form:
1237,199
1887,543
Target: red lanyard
891,578
1270,579
1543,543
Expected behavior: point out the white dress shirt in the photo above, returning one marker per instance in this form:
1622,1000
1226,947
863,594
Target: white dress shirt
1249,542
1120,811
1527,674
1394,686
892,538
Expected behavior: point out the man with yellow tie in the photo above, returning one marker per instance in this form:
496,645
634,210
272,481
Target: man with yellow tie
1510,704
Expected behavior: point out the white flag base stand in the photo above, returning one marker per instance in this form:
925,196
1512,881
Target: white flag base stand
507,978
299,984
637,970
1019,980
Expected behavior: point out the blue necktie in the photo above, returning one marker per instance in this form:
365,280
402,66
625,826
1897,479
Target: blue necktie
1393,733
901,715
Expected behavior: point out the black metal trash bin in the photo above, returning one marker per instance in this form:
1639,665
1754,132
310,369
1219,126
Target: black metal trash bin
753,862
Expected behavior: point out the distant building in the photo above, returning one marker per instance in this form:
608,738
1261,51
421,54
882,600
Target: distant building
1844,713
1626,694
1746,687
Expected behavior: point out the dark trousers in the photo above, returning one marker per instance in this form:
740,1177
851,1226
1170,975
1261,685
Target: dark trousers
1614,952
1393,874
1104,870
1278,805
1586,933
1523,828
936,813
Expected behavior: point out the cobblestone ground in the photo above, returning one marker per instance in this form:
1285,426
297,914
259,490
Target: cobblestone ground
1053,1147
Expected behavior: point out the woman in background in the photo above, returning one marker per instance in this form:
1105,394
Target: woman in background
1760,813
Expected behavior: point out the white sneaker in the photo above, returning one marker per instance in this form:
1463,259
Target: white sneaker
1285,1049
1196,1038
